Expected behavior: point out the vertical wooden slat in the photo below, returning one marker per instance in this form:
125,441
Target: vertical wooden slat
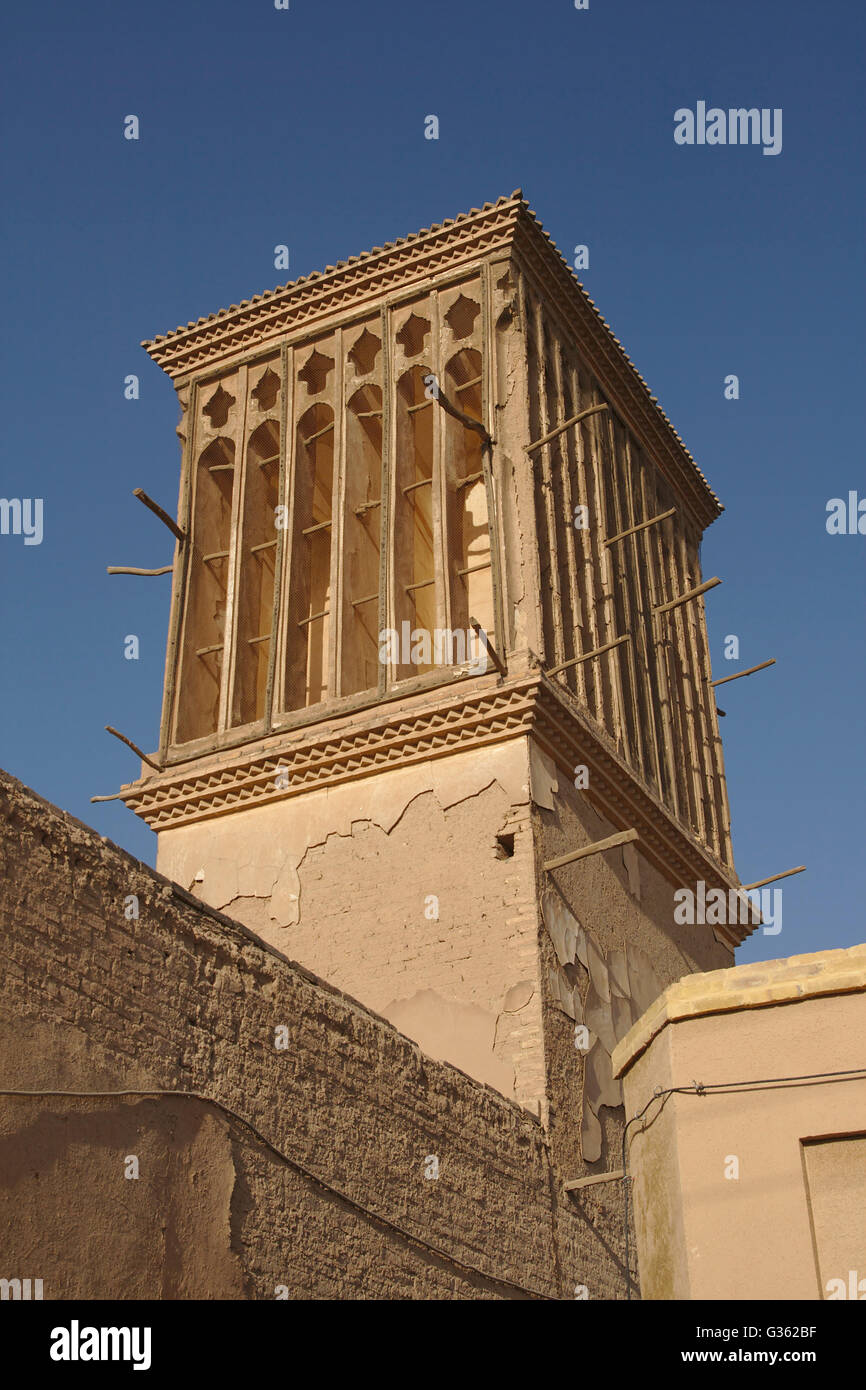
590,585
488,415
614,719
338,492
276,637
551,598
287,620
670,626
532,564
227,672
658,537
619,516
388,472
443,541
642,637
565,522
694,617
690,712
180,578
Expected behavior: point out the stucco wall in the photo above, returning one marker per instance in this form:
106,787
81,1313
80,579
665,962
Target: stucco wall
755,1190
396,888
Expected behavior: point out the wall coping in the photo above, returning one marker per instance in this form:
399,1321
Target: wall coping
762,984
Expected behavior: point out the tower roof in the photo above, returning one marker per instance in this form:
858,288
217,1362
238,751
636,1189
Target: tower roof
507,225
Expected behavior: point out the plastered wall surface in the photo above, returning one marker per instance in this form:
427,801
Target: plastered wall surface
754,1192
326,1197
398,889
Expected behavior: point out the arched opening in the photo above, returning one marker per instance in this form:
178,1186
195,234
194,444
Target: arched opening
307,643
469,558
255,601
415,507
204,631
362,542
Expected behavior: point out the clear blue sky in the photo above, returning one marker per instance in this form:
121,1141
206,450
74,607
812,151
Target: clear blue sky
305,127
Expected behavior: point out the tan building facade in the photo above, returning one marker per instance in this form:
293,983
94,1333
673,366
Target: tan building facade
749,1161
422,644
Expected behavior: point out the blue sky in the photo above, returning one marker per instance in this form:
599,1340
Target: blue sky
306,127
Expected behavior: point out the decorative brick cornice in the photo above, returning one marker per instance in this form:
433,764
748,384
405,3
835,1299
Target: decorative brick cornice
504,226
368,277
283,767
323,758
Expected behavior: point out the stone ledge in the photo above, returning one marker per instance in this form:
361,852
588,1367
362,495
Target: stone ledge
756,986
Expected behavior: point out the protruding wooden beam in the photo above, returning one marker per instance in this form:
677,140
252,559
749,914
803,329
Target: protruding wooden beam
494,656
457,414
560,429
623,837
129,743
128,569
687,597
762,882
613,1176
737,674
587,656
157,510
641,526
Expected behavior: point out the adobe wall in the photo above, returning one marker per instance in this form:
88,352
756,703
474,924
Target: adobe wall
326,1197
756,1190
611,947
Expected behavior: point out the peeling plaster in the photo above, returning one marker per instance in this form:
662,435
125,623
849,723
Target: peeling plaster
462,1034
543,780
258,854
518,997
632,868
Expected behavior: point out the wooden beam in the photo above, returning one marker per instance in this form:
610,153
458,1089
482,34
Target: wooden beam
748,887
622,837
613,1176
560,429
494,657
127,569
641,526
737,674
129,743
687,597
587,656
468,421
158,511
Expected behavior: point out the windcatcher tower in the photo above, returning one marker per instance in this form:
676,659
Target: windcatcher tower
362,451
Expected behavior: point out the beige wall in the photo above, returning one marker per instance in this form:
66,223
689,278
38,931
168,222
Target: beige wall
756,1191
395,888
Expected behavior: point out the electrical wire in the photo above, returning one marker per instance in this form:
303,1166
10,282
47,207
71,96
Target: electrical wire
697,1088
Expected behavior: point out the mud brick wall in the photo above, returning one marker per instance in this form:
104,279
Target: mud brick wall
293,1171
